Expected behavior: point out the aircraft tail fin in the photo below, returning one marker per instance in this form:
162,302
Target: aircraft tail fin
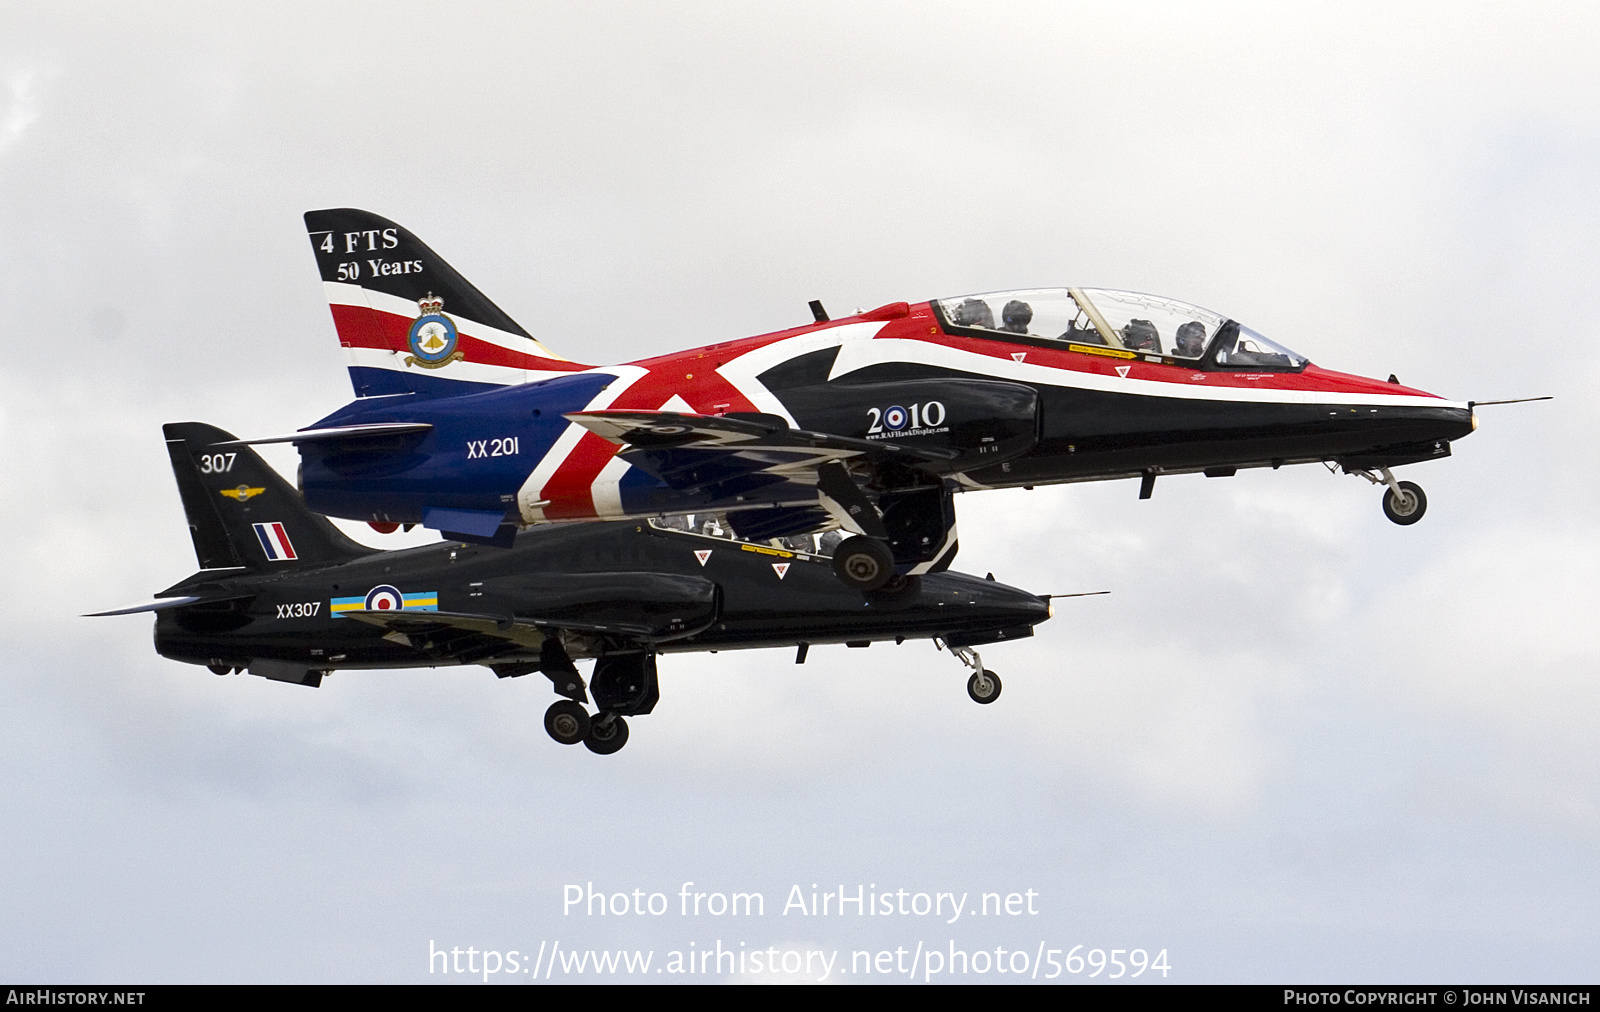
241,512
409,323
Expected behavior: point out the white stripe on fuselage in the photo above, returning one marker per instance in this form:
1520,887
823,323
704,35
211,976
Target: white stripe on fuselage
606,490
742,371
855,355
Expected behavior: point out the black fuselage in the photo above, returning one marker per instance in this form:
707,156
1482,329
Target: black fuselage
606,587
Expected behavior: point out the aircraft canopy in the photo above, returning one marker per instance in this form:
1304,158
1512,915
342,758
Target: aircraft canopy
1132,321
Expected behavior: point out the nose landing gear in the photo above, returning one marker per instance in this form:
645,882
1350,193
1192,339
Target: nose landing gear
984,685
1407,505
1403,501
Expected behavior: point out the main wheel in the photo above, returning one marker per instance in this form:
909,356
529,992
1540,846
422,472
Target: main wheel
1408,510
567,721
984,687
863,563
607,735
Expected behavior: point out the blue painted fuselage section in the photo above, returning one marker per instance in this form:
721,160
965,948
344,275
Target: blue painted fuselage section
481,449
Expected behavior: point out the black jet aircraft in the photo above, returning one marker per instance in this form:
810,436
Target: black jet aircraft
284,594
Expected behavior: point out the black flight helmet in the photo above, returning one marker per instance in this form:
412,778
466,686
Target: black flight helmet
973,313
1016,316
1191,339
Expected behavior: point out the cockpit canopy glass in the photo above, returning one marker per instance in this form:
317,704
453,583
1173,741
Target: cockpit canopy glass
1132,321
1249,350
1040,312
1153,324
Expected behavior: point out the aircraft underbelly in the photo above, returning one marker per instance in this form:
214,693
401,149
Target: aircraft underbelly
1088,433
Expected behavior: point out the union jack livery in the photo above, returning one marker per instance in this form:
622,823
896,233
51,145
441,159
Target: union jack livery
467,423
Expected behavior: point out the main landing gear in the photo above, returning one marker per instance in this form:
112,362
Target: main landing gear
863,563
622,684
568,722
1403,501
908,528
866,564
984,685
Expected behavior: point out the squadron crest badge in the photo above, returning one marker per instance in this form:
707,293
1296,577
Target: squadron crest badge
433,336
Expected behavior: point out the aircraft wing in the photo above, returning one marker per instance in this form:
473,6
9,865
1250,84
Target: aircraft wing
672,429
722,457
528,632
162,604
374,430
643,607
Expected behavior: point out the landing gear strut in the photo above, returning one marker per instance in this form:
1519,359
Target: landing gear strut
1403,501
984,685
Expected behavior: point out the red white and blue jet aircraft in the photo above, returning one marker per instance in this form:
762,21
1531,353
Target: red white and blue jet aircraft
466,423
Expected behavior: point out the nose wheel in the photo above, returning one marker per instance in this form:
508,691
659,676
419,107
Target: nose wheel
1403,501
1406,506
984,685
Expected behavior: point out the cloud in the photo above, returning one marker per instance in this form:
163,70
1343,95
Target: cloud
21,106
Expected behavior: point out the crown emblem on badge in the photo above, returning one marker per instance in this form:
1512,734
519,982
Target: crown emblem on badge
433,335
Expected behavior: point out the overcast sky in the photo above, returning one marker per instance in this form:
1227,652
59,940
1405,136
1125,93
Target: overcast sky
1296,742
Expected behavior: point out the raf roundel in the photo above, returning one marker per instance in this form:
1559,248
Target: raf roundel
433,336
384,598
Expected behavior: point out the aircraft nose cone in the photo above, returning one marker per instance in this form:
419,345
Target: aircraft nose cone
1001,599
1451,423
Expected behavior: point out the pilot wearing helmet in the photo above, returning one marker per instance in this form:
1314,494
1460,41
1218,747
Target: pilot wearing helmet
973,313
1016,316
1141,335
1191,340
